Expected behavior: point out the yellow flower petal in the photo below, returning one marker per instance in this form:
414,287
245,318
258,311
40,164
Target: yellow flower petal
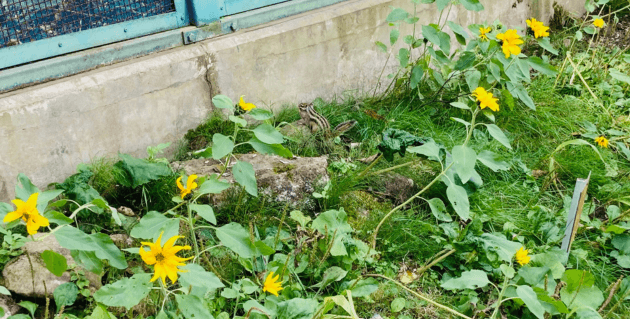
599,23
522,256
163,259
246,106
272,285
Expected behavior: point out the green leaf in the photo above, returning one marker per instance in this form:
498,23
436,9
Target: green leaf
24,188
587,313
87,260
397,14
508,271
126,292
429,149
264,148
258,309
222,102
458,29
505,249
398,304
45,197
381,46
245,175
235,119
466,60
622,242
507,99
331,274
4,291
299,217
65,294
460,105
545,44
527,294
20,316
154,223
441,4
438,209
260,114
212,186
459,199
206,212
393,36
141,171
577,278
221,146
430,33
498,135
264,249
524,97
332,221
30,306
585,297
100,312
268,134
445,42
403,57
99,243
620,76
541,66
533,275
364,287
495,70
472,5
297,308
236,238
196,276
396,141
472,79
55,262
472,279
58,218
465,159
490,160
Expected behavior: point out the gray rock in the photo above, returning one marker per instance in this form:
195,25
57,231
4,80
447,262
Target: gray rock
10,307
23,280
290,180
121,240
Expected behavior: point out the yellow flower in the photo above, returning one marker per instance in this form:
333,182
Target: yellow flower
246,106
486,99
163,258
272,285
599,23
29,214
540,30
602,141
190,185
482,33
521,256
510,40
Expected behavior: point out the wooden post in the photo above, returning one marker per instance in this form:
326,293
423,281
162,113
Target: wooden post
575,212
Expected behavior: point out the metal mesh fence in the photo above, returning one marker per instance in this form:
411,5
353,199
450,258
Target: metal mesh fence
24,21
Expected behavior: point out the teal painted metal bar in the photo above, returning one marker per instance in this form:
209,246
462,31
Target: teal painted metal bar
42,71
263,15
46,48
238,6
204,12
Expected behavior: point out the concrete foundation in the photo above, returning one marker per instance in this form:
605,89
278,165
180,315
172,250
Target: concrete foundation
47,129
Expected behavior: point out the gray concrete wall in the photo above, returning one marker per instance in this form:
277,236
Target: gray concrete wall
46,130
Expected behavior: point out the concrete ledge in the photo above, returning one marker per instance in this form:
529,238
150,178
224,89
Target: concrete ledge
47,129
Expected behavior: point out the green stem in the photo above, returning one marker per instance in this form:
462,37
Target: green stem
370,166
496,310
393,168
421,296
193,236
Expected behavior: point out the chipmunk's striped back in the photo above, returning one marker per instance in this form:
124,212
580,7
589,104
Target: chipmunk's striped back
316,121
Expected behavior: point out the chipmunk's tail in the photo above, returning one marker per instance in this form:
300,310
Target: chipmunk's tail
344,127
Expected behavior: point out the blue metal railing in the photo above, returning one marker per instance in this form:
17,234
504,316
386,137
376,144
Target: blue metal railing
33,30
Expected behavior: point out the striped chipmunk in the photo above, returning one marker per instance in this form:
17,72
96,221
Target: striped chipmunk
317,122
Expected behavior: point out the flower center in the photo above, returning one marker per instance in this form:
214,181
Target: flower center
159,257
26,216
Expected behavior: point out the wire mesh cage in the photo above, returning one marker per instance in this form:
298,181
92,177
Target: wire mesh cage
24,21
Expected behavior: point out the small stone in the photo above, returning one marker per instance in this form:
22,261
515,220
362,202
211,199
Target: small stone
21,279
9,305
121,240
